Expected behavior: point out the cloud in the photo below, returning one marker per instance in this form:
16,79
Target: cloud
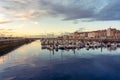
5,32
22,9
3,22
3,19
110,12
30,15
67,9
81,9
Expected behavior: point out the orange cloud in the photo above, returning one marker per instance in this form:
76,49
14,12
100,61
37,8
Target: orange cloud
5,21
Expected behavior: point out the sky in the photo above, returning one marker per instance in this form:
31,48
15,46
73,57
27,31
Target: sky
38,17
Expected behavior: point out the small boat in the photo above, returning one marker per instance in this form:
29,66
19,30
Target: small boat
70,47
114,45
61,47
118,45
108,45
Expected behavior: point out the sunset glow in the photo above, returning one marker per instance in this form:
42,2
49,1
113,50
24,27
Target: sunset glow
37,17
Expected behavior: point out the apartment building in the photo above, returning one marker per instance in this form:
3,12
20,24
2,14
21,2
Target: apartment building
107,33
80,35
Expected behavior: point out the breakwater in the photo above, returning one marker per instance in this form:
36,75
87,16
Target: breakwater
11,44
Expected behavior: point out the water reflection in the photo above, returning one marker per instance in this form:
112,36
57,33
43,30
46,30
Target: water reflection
6,48
30,62
109,49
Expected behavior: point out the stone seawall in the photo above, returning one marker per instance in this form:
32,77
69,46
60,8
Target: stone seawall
9,45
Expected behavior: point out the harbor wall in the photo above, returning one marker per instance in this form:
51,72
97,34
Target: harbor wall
9,45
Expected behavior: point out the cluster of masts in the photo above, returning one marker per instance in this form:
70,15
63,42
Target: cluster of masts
75,44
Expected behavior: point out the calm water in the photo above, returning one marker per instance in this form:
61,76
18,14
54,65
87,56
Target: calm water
30,62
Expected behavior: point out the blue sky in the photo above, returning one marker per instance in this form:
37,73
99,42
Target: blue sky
34,17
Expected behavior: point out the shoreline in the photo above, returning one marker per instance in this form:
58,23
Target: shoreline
8,46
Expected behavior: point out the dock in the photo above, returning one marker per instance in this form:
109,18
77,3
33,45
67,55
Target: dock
58,43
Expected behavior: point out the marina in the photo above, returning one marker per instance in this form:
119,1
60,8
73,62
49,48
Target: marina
64,44
31,62
59,39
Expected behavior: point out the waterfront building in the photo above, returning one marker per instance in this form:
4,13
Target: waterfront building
106,33
78,35
117,35
102,33
113,33
91,34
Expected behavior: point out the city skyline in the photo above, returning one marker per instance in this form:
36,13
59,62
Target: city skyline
28,17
